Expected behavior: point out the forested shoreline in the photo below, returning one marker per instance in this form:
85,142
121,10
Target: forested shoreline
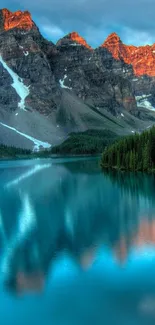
13,152
131,153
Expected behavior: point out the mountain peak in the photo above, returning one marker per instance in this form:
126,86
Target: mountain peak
112,40
114,35
142,58
75,37
115,46
18,19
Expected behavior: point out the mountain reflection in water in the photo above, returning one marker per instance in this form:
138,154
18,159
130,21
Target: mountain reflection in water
60,218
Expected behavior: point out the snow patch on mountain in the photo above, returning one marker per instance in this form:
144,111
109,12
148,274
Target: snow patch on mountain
142,101
26,53
142,97
62,83
21,89
75,44
37,143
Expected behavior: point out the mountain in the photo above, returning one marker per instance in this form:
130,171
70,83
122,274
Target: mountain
48,91
142,61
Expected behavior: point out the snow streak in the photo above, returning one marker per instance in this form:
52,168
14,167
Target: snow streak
21,89
37,143
62,83
26,53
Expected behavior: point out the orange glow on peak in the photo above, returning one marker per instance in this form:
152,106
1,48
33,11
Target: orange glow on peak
18,19
77,38
142,58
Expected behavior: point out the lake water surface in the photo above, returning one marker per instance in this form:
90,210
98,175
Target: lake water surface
77,245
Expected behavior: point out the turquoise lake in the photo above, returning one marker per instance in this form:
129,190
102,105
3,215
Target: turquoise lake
77,245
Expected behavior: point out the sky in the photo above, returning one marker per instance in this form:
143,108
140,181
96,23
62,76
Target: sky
132,20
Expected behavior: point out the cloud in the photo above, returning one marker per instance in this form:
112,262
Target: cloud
137,37
51,32
93,19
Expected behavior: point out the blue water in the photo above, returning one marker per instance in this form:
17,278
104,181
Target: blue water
77,245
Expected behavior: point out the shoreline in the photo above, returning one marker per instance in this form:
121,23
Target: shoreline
114,168
54,156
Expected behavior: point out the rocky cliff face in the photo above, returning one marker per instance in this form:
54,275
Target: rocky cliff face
87,72
50,90
141,58
142,68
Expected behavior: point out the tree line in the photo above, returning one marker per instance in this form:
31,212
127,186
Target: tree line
87,142
133,153
6,151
